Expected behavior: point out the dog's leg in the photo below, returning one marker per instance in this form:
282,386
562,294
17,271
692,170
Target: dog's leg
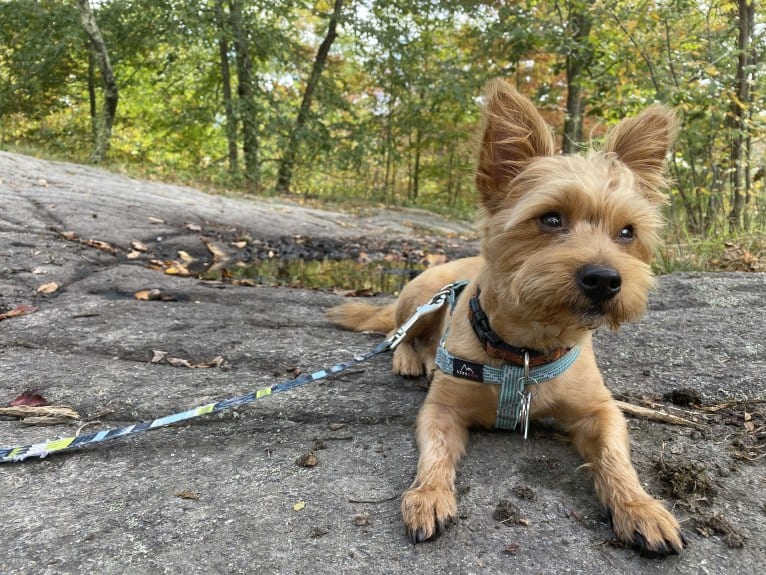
601,436
430,504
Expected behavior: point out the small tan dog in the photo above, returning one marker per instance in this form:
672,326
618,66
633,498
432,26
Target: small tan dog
567,242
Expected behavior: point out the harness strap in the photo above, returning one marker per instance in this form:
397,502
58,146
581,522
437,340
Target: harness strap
512,378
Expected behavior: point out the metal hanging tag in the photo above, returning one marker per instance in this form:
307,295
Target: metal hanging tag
526,396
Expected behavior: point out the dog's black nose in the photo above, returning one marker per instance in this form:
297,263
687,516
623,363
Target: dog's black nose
600,283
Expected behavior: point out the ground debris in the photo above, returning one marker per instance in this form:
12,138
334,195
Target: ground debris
307,460
719,525
686,481
508,513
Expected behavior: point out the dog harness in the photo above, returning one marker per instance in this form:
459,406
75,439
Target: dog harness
522,367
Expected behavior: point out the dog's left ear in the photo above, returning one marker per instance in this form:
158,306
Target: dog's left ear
641,143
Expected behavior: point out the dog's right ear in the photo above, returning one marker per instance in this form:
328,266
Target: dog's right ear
512,133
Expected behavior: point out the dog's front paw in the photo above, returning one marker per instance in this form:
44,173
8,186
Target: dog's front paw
427,511
648,526
407,362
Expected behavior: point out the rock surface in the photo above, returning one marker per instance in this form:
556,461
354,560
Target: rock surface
233,493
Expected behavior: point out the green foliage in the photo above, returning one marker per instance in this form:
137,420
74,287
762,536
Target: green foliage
396,106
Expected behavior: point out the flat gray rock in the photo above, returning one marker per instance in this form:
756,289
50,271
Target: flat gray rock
225,494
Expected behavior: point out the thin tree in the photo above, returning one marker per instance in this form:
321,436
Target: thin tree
228,102
103,125
578,56
285,174
246,95
740,109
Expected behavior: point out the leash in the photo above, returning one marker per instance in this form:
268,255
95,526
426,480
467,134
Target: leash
16,454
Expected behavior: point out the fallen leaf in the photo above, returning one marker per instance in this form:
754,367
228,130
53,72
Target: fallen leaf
22,309
361,519
185,257
138,246
156,220
100,245
177,269
512,548
218,253
178,362
38,271
244,282
158,356
31,397
239,245
71,236
148,295
336,426
307,460
188,494
133,254
42,182
49,288
192,227
299,506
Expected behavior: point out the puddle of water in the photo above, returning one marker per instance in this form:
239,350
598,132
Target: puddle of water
378,276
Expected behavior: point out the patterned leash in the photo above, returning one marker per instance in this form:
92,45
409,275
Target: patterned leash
20,453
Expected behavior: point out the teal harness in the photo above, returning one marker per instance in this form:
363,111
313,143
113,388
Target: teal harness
514,402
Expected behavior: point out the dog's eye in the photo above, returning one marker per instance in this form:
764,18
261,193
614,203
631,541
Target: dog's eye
551,220
627,233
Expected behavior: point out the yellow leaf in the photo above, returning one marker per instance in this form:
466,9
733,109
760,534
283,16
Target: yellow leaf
299,506
49,287
185,256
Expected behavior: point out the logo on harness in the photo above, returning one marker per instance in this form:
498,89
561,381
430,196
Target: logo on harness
467,369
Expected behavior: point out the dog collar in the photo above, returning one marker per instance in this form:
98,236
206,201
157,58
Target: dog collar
494,345
514,401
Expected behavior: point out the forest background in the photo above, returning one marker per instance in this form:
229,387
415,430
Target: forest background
376,102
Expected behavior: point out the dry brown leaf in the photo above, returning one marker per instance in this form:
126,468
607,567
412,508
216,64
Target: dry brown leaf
30,398
23,309
177,269
178,362
192,227
148,295
307,460
133,254
188,494
100,245
218,253
50,287
138,246
239,245
156,220
244,282
71,236
158,356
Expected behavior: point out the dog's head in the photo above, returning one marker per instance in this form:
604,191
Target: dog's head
569,239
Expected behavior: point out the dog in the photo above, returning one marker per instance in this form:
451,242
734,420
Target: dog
566,248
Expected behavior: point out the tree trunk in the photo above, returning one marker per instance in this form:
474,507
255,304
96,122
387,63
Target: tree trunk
285,174
108,82
245,94
740,109
577,59
228,102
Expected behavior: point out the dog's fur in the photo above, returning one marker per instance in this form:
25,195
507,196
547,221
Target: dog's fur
546,218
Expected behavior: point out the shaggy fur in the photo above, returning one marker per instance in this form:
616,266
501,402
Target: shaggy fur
549,222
